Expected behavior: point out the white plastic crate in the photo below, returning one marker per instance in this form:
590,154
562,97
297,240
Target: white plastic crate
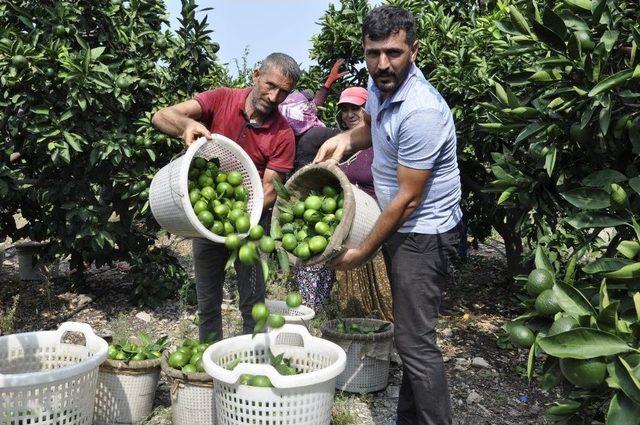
47,381
302,399
169,191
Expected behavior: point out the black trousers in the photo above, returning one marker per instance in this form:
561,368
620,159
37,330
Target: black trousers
209,260
419,268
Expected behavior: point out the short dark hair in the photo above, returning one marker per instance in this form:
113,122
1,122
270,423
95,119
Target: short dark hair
384,21
285,63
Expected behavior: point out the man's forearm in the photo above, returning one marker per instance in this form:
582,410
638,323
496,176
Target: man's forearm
358,139
170,122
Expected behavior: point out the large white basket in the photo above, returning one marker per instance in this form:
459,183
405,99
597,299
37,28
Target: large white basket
125,393
303,399
361,211
47,381
169,192
300,315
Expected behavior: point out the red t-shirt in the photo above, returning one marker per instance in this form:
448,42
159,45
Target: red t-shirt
271,145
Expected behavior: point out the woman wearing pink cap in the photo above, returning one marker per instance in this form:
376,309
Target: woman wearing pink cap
363,291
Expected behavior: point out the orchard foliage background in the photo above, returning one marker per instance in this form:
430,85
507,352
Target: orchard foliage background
79,82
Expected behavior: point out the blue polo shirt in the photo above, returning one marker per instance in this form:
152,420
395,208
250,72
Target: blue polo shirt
414,128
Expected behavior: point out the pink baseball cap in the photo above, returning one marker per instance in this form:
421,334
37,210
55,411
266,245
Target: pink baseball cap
354,95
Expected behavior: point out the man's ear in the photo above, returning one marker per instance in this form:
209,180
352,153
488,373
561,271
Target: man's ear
256,76
414,51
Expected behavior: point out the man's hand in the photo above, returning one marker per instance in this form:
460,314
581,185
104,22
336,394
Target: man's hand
349,259
193,131
332,150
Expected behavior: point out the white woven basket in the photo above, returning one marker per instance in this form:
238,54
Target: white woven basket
169,191
125,396
300,315
303,399
47,381
361,210
365,372
192,397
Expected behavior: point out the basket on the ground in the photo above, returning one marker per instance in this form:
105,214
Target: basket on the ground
367,368
300,315
126,391
169,191
192,399
302,399
45,380
357,203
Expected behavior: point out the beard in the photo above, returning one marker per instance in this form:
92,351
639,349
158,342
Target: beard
263,107
388,81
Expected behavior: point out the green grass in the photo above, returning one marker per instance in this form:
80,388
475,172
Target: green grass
8,317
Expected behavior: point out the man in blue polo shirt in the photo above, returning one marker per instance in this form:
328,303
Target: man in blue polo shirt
417,183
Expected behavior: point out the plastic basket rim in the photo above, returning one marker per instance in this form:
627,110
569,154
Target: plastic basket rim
307,312
18,380
230,377
183,184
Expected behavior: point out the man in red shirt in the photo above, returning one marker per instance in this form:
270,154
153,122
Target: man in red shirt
250,117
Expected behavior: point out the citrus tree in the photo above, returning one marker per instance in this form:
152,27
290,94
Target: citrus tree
570,116
79,83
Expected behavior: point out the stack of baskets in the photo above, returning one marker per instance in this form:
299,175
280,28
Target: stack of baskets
169,191
302,399
368,356
45,380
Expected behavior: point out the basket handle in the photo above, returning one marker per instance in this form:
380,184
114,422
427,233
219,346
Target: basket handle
300,330
79,327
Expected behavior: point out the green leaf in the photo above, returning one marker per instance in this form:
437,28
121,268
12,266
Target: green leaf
580,4
281,191
583,343
519,21
604,119
636,303
635,184
554,22
609,39
548,37
561,410
550,160
608,318
41,111
621,373
506,194
587,198
629,272
604,294
572,301
611,82
542,260
588,219
623,410
501,174
97,52
501,93
603,265
569,276
603,178
531,361
530,130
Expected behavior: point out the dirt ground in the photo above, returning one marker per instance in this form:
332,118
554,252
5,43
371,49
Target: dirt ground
487,384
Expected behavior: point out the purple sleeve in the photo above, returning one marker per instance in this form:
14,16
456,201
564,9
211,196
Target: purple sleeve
359,171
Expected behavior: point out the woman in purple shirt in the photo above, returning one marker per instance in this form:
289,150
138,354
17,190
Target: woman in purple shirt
364,291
